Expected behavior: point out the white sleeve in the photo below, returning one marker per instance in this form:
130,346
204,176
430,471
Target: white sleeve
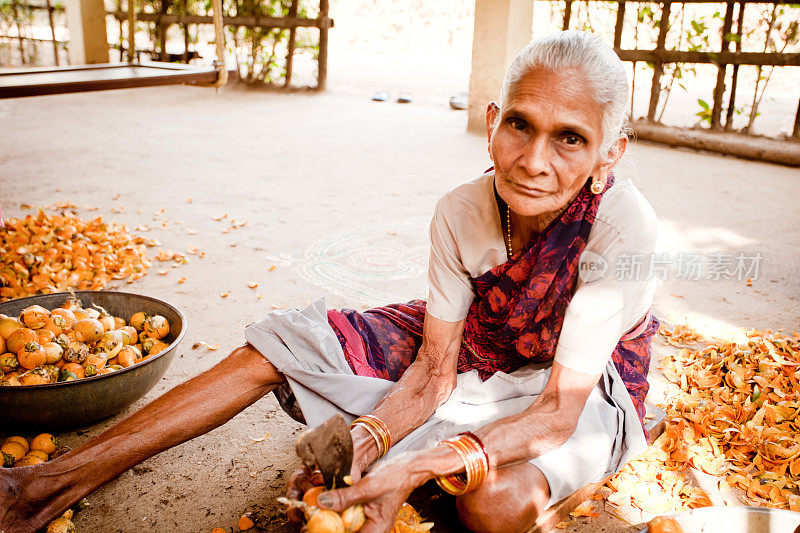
603,309
450,289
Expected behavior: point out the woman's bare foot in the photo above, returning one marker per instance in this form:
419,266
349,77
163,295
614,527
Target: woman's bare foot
33,496
25,505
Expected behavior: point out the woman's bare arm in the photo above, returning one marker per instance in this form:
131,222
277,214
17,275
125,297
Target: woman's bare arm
424,386
544,426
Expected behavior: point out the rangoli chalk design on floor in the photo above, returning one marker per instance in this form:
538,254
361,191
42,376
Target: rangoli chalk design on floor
370,266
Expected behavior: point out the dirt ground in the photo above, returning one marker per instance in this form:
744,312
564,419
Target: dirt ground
337,192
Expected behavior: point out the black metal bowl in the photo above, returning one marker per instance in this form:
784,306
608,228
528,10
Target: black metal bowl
77,403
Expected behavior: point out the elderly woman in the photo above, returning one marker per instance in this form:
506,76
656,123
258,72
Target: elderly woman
527,362
520,380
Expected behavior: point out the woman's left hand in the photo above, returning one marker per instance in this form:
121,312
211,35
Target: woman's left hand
381,492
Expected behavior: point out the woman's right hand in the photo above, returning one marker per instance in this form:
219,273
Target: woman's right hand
299,482
306,477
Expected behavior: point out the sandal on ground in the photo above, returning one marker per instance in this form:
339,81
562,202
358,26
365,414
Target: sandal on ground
459,101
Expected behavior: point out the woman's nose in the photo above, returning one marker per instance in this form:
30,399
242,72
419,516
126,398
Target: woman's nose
535,158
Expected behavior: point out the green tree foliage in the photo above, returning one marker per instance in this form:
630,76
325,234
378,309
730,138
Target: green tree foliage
258,52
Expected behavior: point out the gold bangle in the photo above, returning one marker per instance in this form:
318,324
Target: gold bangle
477,456
476,465
368,429
382,428
380,441
478,442
452,485
378,429
456,484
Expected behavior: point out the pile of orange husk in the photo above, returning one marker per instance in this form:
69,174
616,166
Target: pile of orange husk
735,416
49,253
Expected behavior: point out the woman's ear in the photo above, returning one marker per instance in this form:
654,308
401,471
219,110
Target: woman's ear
492,112
614,155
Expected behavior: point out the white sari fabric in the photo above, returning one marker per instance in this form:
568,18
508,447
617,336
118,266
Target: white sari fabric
303,347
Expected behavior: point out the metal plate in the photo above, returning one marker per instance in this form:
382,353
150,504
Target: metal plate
77,403
738,519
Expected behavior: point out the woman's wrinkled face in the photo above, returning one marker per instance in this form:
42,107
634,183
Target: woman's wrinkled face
546,143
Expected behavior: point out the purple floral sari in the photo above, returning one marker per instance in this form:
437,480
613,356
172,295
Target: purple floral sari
515,319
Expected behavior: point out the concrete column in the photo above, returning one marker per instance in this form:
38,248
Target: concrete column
502,29
86,21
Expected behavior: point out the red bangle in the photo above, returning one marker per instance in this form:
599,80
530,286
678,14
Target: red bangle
480,443
476,465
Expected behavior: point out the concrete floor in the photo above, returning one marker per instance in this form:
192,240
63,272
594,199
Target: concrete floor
337,192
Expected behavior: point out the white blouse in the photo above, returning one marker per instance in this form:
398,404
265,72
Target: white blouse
467,241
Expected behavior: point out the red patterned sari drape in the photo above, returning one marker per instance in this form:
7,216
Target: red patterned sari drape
516,316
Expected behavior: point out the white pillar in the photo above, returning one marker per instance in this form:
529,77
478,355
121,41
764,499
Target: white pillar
88,42
502,29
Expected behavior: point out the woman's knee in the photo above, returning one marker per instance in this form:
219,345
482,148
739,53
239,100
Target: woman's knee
510,500
258,366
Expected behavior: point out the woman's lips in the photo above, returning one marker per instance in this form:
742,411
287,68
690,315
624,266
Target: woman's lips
531,191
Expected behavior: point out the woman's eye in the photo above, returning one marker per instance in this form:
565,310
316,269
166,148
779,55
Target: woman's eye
517,124
572,139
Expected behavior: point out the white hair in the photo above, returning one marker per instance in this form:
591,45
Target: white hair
592,57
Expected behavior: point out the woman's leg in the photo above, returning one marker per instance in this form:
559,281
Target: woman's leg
30,497
510,500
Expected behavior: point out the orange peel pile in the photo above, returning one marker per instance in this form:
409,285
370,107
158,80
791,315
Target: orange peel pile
736,416
648,484
49,253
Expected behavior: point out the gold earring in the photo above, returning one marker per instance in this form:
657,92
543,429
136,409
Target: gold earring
597,186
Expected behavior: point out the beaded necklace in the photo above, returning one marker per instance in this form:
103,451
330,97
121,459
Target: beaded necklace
508,231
